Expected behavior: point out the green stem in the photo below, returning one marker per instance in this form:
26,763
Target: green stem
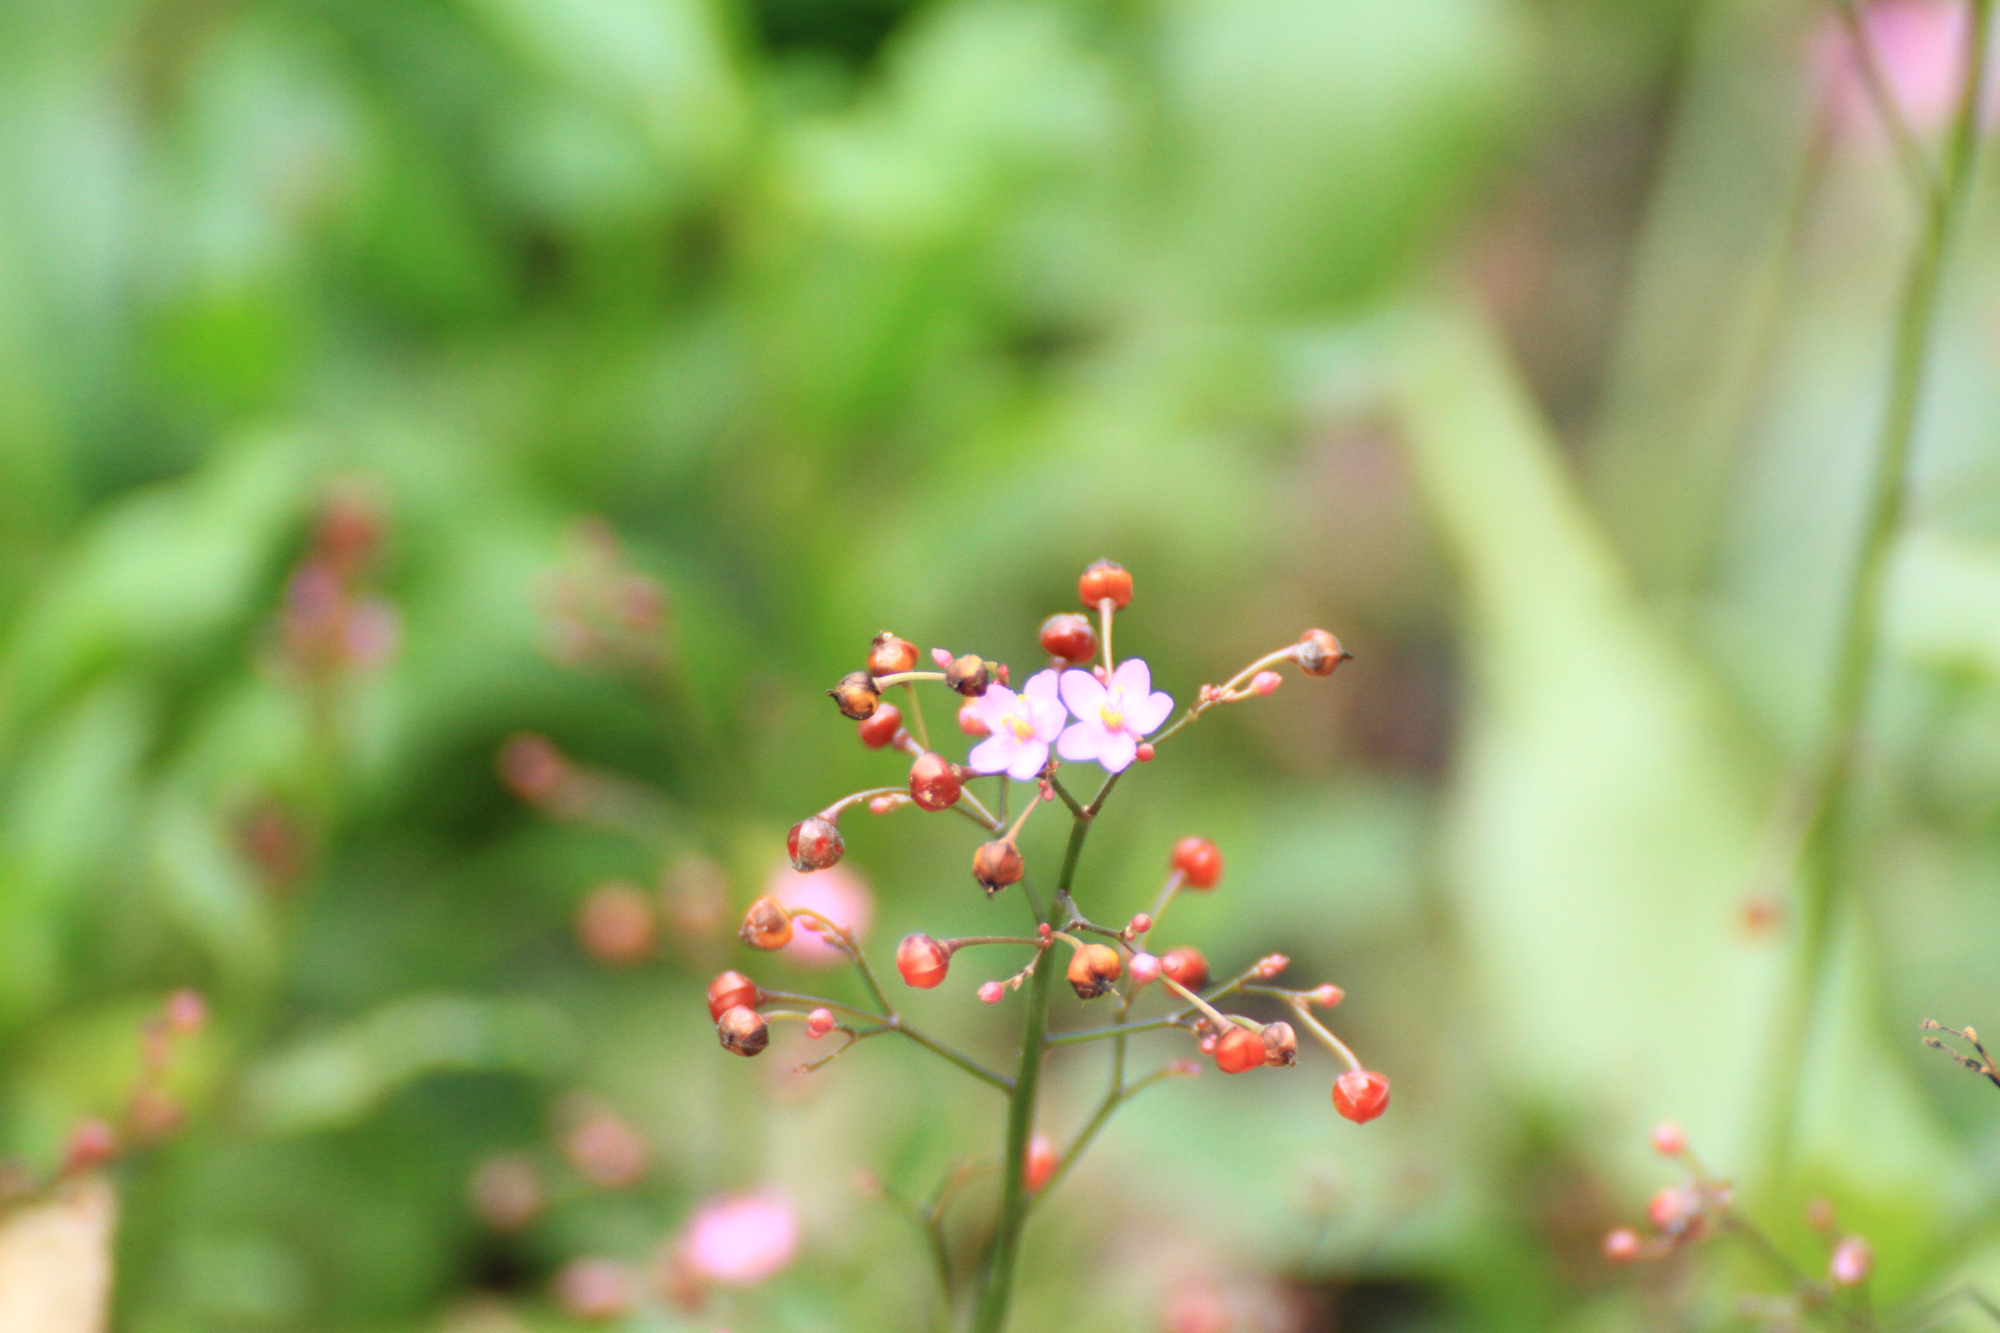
965,1062
1077,1038
1822,881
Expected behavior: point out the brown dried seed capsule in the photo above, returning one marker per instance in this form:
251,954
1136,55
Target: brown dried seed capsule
1092,969
889,655
1319,653
1281,1044
969,675
934,782
814,844
857,696
742,1031
997,864
767,925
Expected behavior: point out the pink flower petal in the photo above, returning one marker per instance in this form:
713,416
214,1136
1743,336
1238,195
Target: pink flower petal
1146,714
995,753
741,1238
1134,677
1082,693
1081,742
1028,760
837,893
995,704
1119,749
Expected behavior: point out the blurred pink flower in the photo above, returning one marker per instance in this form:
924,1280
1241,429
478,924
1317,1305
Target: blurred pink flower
1920,46
836,893
741,1238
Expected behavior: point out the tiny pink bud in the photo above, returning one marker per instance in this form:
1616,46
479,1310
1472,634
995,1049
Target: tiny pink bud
969,720
1622,1245
1326,996
1144,969
1208,1044
1044,930
1271,965
1144,752
187,1011
941,656
1265,681
1668,1141
992,992
1140,924
882,805
818,1023
1852,1261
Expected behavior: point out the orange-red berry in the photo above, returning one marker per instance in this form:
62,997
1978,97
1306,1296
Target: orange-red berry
767,925
997,864
856,695
1199,862
730,990
1361,1095
1039,1164
1186,966
1319,653
1281,1044
1105,580
1092,969
1238,1049
888,655
814,843
880,726
934,782
922,961
742,1031
819,1022
1070,637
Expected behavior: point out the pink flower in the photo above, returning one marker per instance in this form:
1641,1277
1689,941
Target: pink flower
1111,718
741,1238
1920,45
1021,727
837,893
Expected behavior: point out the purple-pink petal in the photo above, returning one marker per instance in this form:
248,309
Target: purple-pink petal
1082,693
1145,716
1134,677
1119,749
994,753
1081,741
1028,760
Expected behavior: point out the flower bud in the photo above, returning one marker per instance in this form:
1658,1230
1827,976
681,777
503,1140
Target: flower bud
922,961
879,727
1145,970
1068,636
1281,1045
1238,1049
767,925
1853,1259
1270,965
857,696
1199,862
1326,996
1105,580
1186,966
1361,1095
1092,969
186,1011
1264,682
730,990
969,675
888,655
996,865
1621,1246
92,1143
743,1031
991,992
1039,1164
1668,1141
1319,653
818,1023
1140,923
814,843
969,720
1144,752
934,783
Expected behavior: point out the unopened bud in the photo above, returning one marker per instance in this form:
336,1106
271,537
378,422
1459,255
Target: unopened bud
856,695
969,675
1326,996
969,720
991,992
743,1031
934,782
818,1023
997,864
1185,966
888,655
879,728
1668,1141
1105,581
1270,965
1239,1049
1140,923
1853,1259
814,843
1092,969
1145,969
922,961
1069,637
1281,1044
1621,1246
882,805
1319,653
767,925
1265,681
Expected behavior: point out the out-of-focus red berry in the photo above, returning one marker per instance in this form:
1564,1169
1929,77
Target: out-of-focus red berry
922,961
1145,969
1671,1209
1361,1095
1853,1259
615,924
880,727
1039,1164
1668,1141
934,783
767,925
1199,862
814,843
1070,637
1621,1246
1186,966
606,1150
1105,580
889,655
1092,969
729,990
91,1143
818,1023
532,767
1238,1049
186,1011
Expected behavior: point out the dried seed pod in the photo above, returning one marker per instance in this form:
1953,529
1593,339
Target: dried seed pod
969,675
857,696
997,864
922,961
730,990
1238,1049
1105,580
934,782
1070,637
1281,1044
1092,969
1319,653
814,843
1186,966
743,1031
767,925
888,655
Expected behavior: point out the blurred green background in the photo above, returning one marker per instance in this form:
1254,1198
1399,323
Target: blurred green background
1532,346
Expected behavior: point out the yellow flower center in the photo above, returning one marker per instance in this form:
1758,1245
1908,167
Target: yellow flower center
1023,729
1112,718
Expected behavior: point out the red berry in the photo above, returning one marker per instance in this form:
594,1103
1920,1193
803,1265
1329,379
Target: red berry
1621,1246
1144,752
1186,966
879,727
818,1023
889,655
1039,1164
1361,1095
922,961
814,843
1238,1049
1668,1141
934,783
1199,862
730,990
1105,580
1069,637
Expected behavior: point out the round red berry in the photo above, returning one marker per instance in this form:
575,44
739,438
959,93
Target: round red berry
1361,1095
880,726
1105,581
1185,966
730,990
1069,637
1199,862
922,961
1238,1049
934,783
